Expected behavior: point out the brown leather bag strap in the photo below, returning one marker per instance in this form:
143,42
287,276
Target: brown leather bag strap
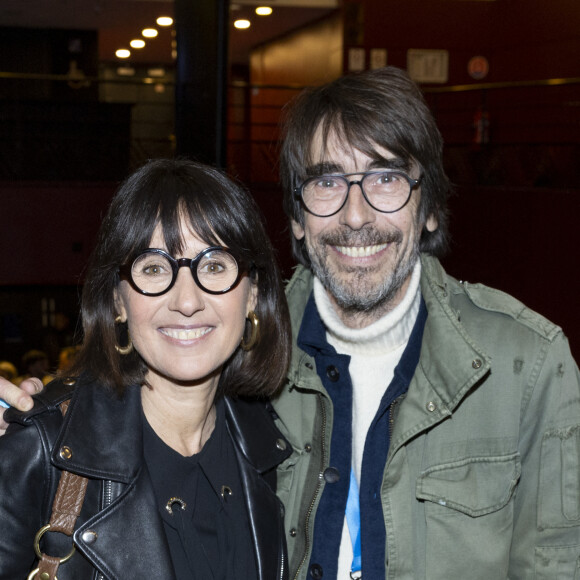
66,508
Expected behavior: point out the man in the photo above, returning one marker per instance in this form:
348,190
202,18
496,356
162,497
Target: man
442,416
456,409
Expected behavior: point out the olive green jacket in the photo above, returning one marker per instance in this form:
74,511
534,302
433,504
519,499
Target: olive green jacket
482,480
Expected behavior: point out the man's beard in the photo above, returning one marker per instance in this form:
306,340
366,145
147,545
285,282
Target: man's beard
356,292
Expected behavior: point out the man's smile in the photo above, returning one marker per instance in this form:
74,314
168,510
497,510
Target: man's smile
360,251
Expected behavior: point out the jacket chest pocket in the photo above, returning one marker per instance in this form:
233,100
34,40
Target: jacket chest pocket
475,486
469,513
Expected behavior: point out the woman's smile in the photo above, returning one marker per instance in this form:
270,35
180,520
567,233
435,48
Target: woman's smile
186,333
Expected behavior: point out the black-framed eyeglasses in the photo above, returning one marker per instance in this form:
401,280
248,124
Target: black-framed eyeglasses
153,271
387,191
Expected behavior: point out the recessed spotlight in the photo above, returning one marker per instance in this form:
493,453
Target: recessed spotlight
149,33
263,11
242,24
123,53
137,43
165,21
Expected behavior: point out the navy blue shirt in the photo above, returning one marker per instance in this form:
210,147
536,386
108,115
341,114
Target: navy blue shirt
332,368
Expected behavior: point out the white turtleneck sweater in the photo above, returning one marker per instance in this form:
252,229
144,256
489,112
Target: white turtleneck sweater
374,353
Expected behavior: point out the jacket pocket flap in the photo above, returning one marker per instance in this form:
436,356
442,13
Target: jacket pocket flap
475,486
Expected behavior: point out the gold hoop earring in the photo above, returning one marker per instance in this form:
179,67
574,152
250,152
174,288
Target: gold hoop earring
254,334
128,348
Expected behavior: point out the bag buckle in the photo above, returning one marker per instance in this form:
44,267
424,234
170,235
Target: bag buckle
40,555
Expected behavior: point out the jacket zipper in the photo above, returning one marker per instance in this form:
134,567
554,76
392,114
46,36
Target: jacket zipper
392,411
107,500
392,408
108,494
392,418
318,485
282,546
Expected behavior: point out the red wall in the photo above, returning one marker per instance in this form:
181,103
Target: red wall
522,39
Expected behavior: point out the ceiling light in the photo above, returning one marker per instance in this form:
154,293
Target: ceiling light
149,33
123,53
165,21
137,43
263,11
241,24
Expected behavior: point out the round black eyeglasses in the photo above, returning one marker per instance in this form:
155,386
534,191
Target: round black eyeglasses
385,191
153,271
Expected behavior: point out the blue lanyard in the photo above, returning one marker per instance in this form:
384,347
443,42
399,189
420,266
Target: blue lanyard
353,521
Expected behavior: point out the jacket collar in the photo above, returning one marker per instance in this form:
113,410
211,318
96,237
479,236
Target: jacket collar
451,359
302,372
451,374
255,434
102,430
312,335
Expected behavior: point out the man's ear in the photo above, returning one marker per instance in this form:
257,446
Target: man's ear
297,230
432,223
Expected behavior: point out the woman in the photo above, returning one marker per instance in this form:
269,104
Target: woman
185,329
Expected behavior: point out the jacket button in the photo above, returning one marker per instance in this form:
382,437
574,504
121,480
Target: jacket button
69,381
316,571
281,444
431,406
293,533
308,448
65,452
476,364
89,537
332,373
331,475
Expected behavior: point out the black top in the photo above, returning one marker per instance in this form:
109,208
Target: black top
206,524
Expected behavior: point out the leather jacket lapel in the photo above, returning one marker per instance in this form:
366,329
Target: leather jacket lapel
260,447
104,434
127,539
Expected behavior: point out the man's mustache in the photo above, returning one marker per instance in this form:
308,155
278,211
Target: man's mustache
363,237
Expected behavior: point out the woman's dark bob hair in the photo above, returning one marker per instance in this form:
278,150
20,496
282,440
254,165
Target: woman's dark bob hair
220,213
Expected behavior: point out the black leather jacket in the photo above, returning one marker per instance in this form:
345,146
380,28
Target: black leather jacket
105,437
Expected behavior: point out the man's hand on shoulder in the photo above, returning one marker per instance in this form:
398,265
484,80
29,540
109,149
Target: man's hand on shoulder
18,397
